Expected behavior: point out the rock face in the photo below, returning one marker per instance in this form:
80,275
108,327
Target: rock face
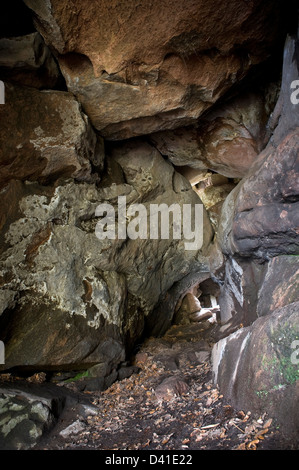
70,300
27,61
26,415
227,140
55,139
260,217
134,80
280,284
258,232
252,289
258,365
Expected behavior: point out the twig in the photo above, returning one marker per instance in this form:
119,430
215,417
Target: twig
238,428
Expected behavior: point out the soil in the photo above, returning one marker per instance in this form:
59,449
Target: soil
147,412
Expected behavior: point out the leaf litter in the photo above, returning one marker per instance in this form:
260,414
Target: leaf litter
188,413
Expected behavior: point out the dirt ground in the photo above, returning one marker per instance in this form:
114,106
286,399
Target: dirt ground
169,403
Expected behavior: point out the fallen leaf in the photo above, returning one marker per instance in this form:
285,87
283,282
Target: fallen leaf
250,429
252,444
167,438
260,434
186,441
210,426
268,423
241,446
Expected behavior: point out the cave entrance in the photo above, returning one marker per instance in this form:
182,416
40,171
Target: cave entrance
198,304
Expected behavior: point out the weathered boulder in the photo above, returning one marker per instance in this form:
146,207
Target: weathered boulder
171,387
44,135
227,140
60,309
267,210
70,300
239,293
150,66
280,286
252,289
26,414
257,367
27,61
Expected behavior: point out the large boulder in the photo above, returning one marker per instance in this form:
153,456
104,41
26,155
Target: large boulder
69,299
227,140
252,289
153,66
239,292
27,413
58,309
257,367
44,136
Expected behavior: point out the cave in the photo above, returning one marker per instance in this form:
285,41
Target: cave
149,225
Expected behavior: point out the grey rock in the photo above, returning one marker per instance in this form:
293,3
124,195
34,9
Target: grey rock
98,370
25,416
239,294
111,378
126,372
96,384
88,410
73,429
83,296
27,61
203,356
280,286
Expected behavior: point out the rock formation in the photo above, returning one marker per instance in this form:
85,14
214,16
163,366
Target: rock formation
134,80
54,267
259,236
113,113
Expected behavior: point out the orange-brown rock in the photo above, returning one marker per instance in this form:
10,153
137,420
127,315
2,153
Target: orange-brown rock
260,217
227,140
44,136
140,67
